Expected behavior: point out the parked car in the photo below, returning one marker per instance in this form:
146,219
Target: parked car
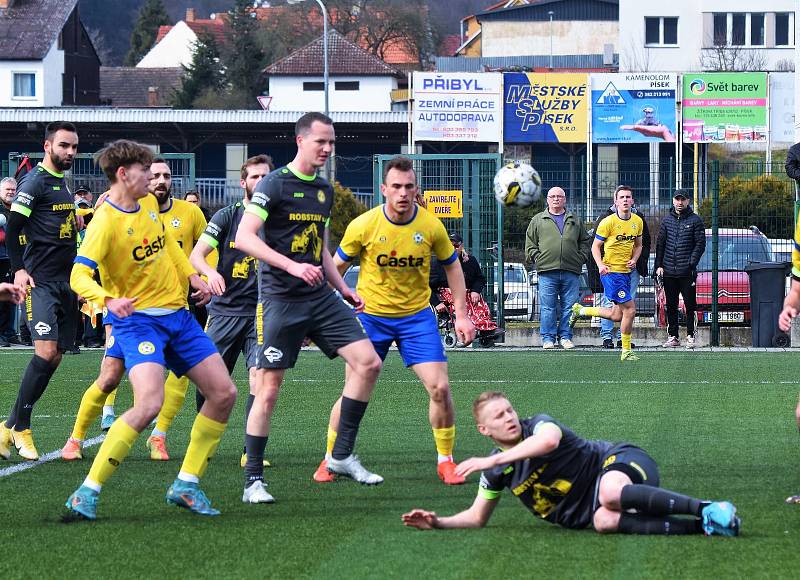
736,248
782,250
519,293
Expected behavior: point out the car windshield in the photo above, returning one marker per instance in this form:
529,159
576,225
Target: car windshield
735,253
514,275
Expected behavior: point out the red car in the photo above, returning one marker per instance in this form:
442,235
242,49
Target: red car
736,248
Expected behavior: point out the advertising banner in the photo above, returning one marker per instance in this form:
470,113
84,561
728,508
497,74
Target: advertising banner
781,104
544,107
724,107
633,107
457,107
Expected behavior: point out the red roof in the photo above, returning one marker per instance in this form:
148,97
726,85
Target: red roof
215,27
449,45
344,58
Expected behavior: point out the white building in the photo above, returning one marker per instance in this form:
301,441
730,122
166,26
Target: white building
694,35
358,80
174,45
46,56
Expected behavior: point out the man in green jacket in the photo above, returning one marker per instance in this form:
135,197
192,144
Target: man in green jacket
557,244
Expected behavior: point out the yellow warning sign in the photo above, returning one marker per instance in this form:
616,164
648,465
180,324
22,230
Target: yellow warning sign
445,203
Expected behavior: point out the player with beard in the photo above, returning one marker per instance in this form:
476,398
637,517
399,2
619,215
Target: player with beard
44,211
234,283
185,223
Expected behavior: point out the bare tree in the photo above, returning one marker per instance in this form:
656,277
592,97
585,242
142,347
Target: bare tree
100,44
637,56
785,65
731,58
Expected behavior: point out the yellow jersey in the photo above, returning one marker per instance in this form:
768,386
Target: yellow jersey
619,237
186,222
137,256
395,259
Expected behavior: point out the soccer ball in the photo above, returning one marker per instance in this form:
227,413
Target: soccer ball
517,185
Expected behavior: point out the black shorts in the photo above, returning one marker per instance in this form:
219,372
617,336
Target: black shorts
633,462
233,335
282,326
51,309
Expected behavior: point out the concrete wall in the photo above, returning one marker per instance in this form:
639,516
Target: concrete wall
373,95
533,38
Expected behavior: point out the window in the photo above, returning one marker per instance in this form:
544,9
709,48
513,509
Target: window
24,85
757,29
660,31
783,34
313,86
738,21
346,85
720,29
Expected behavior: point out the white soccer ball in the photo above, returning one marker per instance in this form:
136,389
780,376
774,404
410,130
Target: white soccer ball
517,185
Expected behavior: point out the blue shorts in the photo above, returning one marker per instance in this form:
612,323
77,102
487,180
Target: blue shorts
174,340
617,287
417,336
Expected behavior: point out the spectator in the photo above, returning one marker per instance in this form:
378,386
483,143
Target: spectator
557,245
194,197
679,247
82,194
793,162
607,331
473,276
8,189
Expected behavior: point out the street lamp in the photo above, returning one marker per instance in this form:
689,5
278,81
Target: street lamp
324,46
550,14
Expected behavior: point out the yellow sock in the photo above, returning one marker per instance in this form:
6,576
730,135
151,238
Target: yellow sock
89,410
590,311
626,342
111,398
445,439
330,441
114,449
206,434
174,394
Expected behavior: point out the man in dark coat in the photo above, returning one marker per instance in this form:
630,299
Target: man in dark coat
680,245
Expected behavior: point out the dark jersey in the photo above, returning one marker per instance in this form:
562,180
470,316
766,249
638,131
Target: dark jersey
296,210
558,487
237,268
50,231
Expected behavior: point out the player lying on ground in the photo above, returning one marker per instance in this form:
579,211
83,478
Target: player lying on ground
143,266
573,482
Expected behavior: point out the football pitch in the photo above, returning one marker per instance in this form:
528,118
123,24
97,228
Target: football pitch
720,425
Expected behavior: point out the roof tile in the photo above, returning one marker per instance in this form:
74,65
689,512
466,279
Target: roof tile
30,27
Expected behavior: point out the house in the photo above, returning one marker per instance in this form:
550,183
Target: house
46,56
471,29
174,45
358,80
136,87
707,35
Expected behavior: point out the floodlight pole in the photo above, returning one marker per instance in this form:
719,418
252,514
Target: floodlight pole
550,14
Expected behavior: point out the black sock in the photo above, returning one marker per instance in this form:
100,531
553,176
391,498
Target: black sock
247,406
650,525
254,468
31,388
199,399
12,416
655,501
350,416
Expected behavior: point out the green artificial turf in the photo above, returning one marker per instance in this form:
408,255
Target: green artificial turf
720,425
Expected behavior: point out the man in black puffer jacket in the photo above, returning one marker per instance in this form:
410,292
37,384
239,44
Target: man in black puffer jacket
679,247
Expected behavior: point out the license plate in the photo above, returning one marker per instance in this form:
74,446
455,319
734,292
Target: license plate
725,316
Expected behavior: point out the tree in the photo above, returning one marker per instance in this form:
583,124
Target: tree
202,77
151,16
243,56
345,209
730,58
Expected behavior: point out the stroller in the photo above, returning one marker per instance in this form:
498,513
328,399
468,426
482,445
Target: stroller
487,331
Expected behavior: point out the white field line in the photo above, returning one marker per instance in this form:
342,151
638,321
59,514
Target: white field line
572,382
47,457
